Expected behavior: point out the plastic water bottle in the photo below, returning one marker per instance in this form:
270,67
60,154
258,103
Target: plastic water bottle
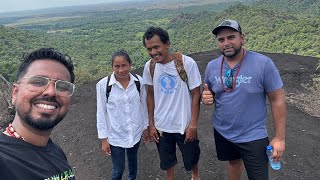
274,165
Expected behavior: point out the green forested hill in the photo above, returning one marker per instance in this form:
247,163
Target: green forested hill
265,30
91,37
13,43
308,7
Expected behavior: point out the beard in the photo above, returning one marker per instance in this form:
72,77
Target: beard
236,52
40,123
45,122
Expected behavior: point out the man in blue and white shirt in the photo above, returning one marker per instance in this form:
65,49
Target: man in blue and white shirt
173,105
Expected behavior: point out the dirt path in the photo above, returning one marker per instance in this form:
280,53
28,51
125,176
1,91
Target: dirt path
77,133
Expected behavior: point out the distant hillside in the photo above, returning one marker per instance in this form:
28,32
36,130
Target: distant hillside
12,17
265,30
13,43
308,7
90,37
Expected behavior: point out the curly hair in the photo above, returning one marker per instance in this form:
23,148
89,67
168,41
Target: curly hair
152,31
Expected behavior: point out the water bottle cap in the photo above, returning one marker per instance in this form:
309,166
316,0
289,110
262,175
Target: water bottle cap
269,147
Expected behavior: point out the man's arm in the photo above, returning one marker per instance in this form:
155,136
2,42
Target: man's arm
279,113
191,131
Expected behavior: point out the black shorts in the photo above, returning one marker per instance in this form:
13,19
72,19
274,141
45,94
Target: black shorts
253,155
167,150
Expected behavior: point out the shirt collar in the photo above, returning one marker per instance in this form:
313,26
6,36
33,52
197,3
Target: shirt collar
112,79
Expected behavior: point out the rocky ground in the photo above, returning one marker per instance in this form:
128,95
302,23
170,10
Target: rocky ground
77,133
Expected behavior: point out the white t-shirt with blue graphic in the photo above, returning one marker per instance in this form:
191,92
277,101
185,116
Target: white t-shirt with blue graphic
240,115
172,97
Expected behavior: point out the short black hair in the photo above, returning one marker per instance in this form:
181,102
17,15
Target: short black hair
42,54
120,52
152,31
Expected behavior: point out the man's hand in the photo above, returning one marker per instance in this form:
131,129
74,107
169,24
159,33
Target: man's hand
105,147
153,132
278,148
191,134
207,96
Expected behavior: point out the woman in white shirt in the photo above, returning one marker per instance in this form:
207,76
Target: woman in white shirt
122,115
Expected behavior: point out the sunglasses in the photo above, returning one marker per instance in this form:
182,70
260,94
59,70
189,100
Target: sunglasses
40,84
229,79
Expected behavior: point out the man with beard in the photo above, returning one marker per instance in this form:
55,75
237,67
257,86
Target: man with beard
238,82
41,97
173,104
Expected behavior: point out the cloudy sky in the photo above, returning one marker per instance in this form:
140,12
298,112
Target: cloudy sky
18,5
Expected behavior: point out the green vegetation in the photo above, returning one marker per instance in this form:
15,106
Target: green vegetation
91,37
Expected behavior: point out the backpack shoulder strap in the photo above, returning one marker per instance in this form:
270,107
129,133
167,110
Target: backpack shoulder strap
180,68
137,82
108,89
152,66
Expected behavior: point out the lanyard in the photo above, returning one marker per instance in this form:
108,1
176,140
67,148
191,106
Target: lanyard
234,79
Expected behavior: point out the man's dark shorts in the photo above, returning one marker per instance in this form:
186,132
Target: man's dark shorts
167,150
252,153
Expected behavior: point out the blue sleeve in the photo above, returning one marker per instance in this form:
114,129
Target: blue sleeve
272,80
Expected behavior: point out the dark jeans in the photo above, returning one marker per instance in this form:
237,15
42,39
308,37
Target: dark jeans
118,161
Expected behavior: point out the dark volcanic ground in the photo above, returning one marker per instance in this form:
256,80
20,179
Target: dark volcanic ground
77,133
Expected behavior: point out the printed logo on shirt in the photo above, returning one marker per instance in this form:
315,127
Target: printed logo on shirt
240,79
66,175
167,83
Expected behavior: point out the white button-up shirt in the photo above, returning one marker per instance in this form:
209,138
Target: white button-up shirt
124,117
